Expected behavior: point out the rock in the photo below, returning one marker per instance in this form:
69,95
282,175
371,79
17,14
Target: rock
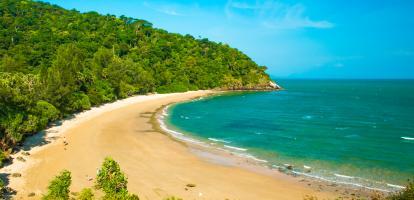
191,185
307,169
31,194
273,85
19,158
288,166
25,153
16,175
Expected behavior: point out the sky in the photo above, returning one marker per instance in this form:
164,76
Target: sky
294,39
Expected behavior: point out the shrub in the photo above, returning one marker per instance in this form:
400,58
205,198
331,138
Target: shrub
406,194
1,185
86,194
59,187
4,156
173,198
46,112
113,182
78,102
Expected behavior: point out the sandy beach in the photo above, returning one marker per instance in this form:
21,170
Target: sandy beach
156,165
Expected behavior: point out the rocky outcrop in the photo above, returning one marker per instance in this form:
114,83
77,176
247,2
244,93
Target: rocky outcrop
269,86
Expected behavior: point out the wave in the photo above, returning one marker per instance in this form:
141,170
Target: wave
254,158
237,151
344,176
352,136
339,182
235,148
307,117
219,140
178,135
407,138
396,186
164,111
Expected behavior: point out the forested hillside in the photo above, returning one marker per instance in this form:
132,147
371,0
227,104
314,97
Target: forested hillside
55,62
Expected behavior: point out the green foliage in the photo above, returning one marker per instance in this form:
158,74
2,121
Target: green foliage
405,194
173,198
46,113
3,157
86,194
59,187
55,62
110,179
113,182
2,188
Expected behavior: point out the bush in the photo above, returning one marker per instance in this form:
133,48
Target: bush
113,182
406,194
4,156
174,87
46,112
86,194
78,102
2,187
59,187
173,198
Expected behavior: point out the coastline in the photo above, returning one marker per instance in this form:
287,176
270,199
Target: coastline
156,165
222,153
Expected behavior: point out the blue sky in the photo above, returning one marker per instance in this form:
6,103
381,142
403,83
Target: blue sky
294,39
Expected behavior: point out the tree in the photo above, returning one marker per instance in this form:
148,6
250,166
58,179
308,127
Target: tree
86,194
55,62
63,77
113,181
58,188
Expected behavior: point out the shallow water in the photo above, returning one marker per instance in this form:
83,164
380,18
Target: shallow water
351,131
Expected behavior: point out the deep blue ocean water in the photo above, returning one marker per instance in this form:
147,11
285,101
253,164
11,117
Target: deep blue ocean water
353,131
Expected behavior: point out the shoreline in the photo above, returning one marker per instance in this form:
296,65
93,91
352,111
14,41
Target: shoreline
227,155
156,165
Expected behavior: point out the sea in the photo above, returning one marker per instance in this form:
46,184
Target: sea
353,132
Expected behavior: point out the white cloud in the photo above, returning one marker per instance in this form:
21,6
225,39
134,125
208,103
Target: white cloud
165,9
170,11
276,15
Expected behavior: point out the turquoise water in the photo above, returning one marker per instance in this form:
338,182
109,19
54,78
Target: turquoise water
352,131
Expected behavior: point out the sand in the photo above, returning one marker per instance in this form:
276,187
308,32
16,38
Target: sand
156,165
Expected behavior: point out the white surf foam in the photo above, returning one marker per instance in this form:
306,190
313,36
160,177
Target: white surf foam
344,176
235,148
248,156
339,182
219,140
396,186
182,137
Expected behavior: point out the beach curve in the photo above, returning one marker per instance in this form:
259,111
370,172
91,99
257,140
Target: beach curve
156,165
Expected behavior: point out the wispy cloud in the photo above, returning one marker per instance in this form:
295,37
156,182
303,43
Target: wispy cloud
164,8
404,53
275,14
